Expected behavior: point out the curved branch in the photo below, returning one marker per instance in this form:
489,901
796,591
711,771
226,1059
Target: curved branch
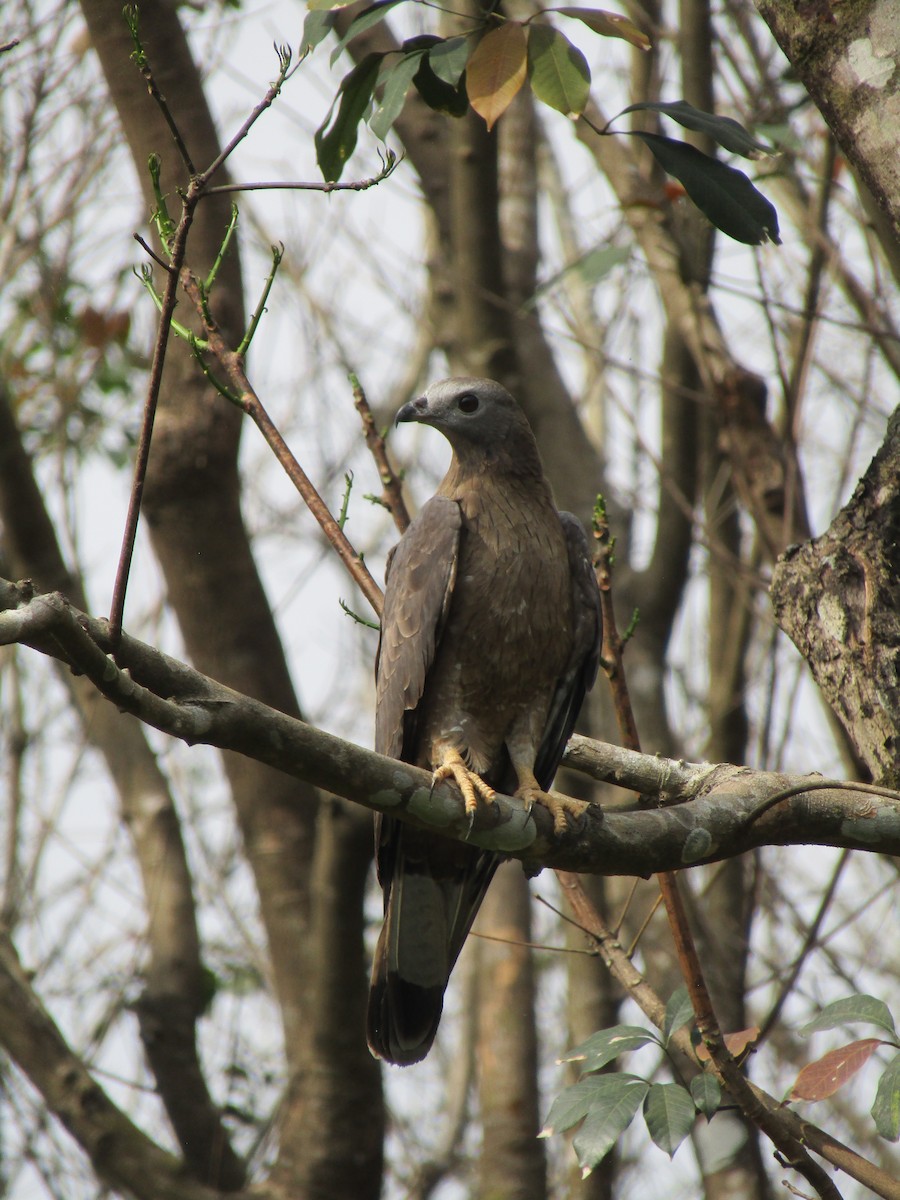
121,1154
711,813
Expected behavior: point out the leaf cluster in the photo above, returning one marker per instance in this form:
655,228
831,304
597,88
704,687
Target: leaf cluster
487,67
823,1077
606,1102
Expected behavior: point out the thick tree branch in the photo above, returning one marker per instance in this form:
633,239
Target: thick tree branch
711,812
848,65
121,1154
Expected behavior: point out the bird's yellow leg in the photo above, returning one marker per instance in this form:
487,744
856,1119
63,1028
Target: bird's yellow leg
453,766
559,805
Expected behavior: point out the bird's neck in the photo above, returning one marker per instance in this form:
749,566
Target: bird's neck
514,462
482,490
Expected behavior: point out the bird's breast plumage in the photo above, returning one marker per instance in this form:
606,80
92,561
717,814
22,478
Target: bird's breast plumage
509,627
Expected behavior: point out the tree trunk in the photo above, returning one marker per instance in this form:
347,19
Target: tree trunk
838,599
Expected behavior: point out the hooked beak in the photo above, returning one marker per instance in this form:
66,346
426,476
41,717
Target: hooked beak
414,410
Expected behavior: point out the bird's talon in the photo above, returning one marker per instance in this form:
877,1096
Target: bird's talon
557,805
469,783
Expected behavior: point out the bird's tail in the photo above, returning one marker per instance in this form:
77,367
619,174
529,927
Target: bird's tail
431,899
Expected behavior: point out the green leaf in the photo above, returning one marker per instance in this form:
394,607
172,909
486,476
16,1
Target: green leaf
729,134
365,20
607,24
852,1010
570,1106
316,28
616,1099
448,59
886,1109
670,1113
591,267
722,193
317,5
607,1044
560,76
335,138
396,84
706,1093
679,1012
496,71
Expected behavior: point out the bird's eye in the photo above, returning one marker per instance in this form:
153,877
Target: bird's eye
468,403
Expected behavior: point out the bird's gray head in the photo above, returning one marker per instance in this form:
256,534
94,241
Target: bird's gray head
475,415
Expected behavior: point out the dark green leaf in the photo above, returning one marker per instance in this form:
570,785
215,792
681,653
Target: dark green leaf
439,95
679,1012
886,1109
570,1106
365,20
448,59
559,73
852,1010
729,134
706,1093
670,1113
617,1098
723,194
336,137
607,1044
422,41
396,84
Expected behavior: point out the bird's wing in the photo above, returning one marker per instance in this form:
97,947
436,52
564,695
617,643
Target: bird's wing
420,576
581,669
432,888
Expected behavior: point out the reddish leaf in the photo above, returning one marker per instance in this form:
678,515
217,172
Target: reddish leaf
741,1041
99,329
822,1078
496,71
736,1043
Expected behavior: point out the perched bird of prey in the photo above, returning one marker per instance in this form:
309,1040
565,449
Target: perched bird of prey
489,639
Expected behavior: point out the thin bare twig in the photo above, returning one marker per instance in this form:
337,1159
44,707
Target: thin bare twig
143,65
392,490
167,310
246,398
391,162
230,360
284,59
809,942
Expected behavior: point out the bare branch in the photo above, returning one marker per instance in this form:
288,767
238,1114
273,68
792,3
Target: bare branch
233,365
713,812
392,493
122,1155
391,162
